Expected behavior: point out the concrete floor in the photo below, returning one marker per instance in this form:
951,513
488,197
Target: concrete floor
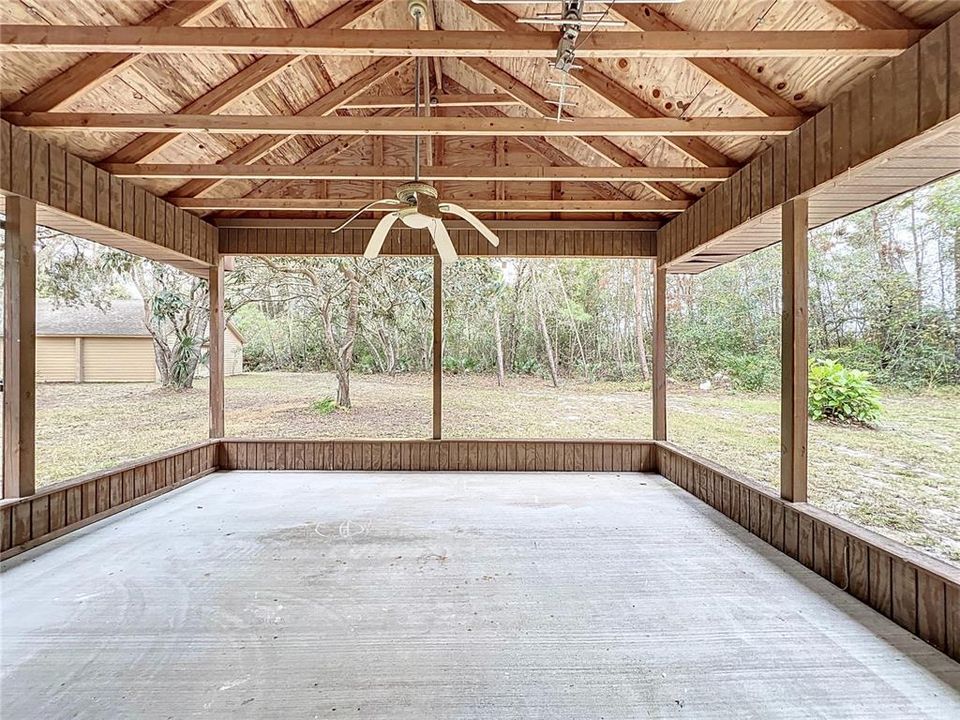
292,595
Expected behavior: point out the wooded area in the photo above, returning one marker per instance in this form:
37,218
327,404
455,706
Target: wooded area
882,288
883,299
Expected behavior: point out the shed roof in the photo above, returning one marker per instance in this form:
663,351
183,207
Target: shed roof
122,318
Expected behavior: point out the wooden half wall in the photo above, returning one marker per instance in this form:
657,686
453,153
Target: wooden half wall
77,197
914,590
440,455
532,242
892,131
54,511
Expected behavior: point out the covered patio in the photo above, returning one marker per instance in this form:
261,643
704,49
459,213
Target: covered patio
391,595
433,577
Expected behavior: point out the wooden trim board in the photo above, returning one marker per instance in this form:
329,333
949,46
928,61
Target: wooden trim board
406,242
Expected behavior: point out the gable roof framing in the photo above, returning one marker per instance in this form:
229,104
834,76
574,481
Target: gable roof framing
623,132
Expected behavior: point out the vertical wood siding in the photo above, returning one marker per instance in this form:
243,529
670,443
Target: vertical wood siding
106,209
439,455
913,93
513,243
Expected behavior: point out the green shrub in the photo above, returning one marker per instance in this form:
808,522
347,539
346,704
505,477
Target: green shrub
324,406
752,373
460,365
842,395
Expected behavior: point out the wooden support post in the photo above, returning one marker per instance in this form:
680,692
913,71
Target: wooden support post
793,391
19,347
660,354
437,348
217,329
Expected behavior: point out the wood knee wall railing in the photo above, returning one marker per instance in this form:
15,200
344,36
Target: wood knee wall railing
54,511
440,455
914,590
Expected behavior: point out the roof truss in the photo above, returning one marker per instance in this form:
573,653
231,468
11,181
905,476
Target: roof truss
611,170
148,40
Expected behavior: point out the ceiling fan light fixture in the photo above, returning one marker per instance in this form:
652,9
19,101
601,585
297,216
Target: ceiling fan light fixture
418,204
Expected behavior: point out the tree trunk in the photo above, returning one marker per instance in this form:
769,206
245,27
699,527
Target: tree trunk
499,339
639,286
956,289
343,387
545,332
341,353
917,255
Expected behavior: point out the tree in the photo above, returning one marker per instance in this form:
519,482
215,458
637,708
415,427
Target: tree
311,290
639,293
176,306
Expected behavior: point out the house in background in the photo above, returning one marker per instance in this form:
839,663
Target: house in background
86,344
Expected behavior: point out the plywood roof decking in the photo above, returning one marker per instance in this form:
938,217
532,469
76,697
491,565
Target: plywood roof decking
671,87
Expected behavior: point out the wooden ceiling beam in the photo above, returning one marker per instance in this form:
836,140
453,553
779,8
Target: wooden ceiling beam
609,90
310,115
874,14
94,70
323,154
474,204
362,223
539,104
371,101
242,83
554,155
314,120
149,40
508,173
726,73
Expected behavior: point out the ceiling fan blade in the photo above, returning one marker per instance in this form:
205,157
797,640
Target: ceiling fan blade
461,212
441,238
358,213
380,234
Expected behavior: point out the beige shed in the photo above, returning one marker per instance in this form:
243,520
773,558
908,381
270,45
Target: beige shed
86,344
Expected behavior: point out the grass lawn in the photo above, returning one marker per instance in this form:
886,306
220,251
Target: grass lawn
901,479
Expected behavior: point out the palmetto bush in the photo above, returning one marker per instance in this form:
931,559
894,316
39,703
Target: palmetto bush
842,395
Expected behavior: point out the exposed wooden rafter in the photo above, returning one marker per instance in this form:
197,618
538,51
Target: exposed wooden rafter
96,69
539,104
729,75
148,40
873,14
246,81
253,151
551,153
369,101
323,154
591,77
311,121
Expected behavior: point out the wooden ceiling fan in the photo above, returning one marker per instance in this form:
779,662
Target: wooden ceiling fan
418,204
